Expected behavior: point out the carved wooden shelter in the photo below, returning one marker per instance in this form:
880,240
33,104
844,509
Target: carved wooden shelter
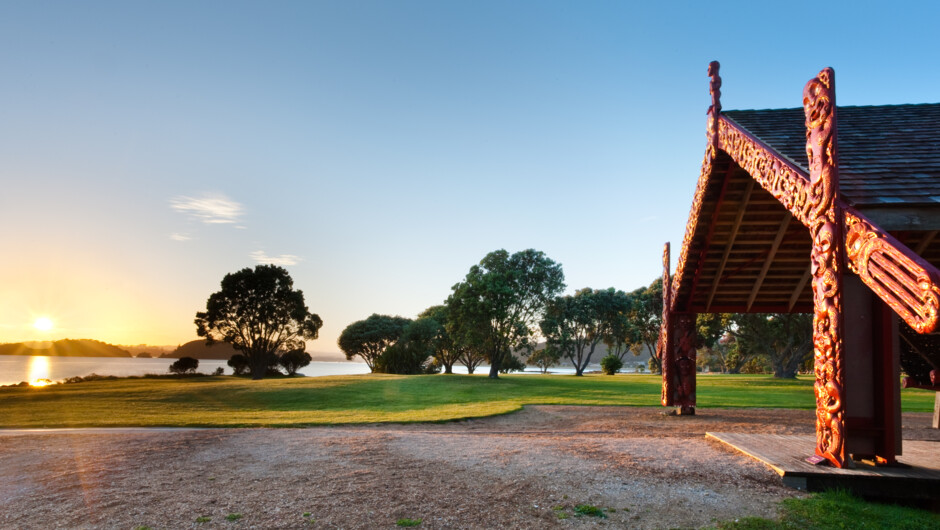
826,210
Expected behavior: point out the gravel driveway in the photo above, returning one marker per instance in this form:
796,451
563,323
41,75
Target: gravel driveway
524,470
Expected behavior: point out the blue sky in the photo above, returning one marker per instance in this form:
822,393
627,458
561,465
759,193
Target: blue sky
379,149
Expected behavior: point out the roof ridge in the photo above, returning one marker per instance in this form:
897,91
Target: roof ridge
842,107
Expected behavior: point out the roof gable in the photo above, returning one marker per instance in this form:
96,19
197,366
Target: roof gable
888,154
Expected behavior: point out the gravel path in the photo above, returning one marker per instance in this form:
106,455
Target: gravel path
524,470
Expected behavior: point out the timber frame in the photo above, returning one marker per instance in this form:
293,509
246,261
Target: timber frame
847,250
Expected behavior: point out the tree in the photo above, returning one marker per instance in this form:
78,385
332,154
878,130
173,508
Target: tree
719,346
239,364
445,349
260,314
623,335
646,314
575,325
184,365
411,353
369,338
545,358
499,303
294,360
785,338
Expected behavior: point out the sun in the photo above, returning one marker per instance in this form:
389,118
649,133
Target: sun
43,324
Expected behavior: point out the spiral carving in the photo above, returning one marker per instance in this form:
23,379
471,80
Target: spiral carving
907,283
663,346
824,219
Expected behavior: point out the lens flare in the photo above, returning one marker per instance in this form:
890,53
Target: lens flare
43,324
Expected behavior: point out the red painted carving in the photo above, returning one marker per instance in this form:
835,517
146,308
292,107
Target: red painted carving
714,111
825,226
714,116
784,180
684,338
664,346
907,283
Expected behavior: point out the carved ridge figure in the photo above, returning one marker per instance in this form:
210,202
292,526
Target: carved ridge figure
824,221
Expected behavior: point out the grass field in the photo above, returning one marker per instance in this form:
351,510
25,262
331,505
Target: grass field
228,401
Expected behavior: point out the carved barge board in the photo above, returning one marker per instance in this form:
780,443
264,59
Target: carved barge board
901,278
664,346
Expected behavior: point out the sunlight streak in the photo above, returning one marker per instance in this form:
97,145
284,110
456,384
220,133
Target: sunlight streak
39,371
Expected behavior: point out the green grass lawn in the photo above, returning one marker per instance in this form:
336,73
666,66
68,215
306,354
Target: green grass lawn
228,401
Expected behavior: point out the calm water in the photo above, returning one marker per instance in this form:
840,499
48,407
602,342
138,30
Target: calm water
16,368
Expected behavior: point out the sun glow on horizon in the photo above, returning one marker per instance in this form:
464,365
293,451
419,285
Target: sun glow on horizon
43,324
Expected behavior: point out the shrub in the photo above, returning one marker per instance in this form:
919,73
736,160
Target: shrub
219,371
611,364
239,364
184,365
511,364
589,510
403,358
294,360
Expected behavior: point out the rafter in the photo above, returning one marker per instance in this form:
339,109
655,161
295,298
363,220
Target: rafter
928,239
734,233
802,285
782,231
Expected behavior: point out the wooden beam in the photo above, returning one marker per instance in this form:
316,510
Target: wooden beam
734,233
799,288
703,255
782,231
928,238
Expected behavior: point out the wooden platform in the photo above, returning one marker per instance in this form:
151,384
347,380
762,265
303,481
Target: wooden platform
918,478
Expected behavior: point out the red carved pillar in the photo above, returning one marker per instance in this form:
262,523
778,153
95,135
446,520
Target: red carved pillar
828,255
684,336
676,350
664,349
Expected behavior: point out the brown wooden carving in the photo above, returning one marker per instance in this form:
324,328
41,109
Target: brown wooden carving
684,354
664,346
784,180
825,225
714,115
907,283
714,111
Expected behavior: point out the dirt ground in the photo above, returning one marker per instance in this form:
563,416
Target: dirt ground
523,470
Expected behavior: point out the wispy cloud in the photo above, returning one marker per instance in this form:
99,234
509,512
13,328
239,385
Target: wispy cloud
210,209
179,237
284,259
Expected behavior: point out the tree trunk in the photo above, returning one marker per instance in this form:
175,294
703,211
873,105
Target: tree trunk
449,368
494,371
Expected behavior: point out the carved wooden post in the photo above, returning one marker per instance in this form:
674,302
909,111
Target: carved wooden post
828,253
676,350
664,345
684,338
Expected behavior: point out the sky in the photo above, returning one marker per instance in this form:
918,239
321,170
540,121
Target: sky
377,150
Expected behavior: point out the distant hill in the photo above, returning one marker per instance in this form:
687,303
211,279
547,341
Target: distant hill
197,349
65,348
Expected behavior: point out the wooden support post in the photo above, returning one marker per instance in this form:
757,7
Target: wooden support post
684,338
872,399
936,411
824,218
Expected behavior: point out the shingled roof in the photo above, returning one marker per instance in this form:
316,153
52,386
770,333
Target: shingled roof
888,154
744,254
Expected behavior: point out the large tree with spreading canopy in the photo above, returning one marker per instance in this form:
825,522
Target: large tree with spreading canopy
500,302
260,314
